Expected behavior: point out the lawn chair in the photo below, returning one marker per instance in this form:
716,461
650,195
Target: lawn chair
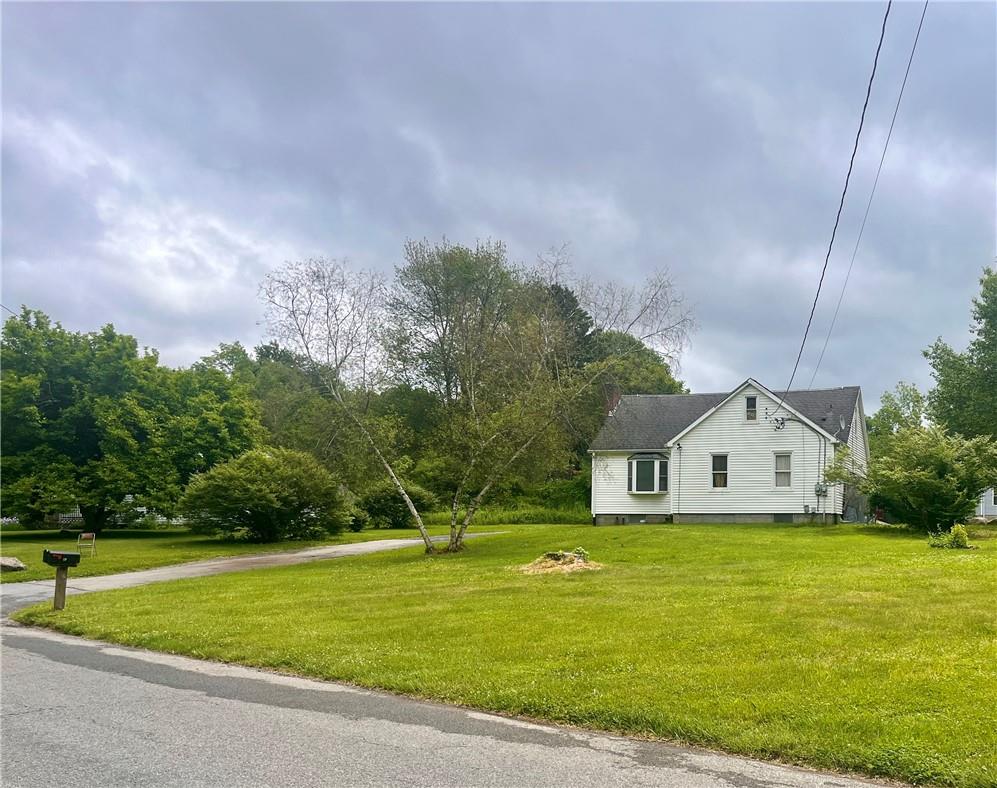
87,540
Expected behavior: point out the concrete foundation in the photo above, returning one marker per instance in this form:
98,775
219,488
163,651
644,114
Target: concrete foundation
641,519
829,518
630,519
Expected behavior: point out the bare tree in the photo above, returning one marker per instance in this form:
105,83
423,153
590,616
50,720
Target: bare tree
655,312
332,316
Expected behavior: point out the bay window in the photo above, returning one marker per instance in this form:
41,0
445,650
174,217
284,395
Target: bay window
647,473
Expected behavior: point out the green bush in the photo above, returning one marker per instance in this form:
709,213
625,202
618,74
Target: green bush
358,519
266,495
956,539
387,509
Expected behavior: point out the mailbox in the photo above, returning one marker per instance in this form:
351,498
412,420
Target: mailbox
60,558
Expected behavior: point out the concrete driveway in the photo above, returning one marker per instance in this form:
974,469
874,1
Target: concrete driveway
14,596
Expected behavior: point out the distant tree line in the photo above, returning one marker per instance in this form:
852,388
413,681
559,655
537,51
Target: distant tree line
464,377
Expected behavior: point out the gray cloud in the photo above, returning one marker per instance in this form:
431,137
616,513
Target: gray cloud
158,159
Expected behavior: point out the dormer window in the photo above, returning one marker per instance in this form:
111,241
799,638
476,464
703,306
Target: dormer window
751,408
647,473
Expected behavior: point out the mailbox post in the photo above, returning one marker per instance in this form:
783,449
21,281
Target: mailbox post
61,560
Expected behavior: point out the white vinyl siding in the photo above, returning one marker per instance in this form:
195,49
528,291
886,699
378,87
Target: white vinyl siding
609,488
750,465
987,506
751,449
858,447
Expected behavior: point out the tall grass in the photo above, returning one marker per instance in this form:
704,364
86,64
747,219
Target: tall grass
529,515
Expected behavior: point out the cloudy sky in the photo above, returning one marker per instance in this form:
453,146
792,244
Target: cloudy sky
159,159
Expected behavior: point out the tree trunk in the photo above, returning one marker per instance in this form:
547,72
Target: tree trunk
394,479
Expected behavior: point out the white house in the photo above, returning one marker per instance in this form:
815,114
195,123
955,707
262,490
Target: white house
728,457
987,507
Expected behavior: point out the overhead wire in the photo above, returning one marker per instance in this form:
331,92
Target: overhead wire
872,194
841,205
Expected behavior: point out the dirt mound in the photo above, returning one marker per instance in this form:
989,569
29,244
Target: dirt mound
560,561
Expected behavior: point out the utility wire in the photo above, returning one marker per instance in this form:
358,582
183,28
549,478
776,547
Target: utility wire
872,194
841,205
9,309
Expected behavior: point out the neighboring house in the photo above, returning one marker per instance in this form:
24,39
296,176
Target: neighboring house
728,457
987,507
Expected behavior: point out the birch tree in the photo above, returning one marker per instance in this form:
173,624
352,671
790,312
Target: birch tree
494,342
332,316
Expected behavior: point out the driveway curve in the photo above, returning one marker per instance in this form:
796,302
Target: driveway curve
14,596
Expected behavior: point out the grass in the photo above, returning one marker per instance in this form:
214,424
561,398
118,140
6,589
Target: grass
840,647
130,550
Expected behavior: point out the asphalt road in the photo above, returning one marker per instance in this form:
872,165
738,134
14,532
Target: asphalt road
75,712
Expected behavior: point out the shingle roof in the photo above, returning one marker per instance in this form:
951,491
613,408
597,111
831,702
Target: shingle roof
649,421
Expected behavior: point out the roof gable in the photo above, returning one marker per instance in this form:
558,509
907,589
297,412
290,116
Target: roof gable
651,421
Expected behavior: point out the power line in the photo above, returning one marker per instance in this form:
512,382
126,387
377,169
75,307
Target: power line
841,205
872,194
9,309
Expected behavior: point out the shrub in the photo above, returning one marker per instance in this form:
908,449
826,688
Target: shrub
358,519
956,539
387,509
929,479
266,495
573,493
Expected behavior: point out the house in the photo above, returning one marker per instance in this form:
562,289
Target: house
739,456
986,509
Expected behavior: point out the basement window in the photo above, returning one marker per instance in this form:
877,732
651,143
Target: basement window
647,473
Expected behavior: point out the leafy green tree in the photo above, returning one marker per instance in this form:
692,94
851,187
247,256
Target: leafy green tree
903,407
385,508
626,366
89,420
926,478
266,495
965,395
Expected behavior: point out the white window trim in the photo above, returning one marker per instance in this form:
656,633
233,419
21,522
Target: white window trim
712,487
776,471
746,398
632,476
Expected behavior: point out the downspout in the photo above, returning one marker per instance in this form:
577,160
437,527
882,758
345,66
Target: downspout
678,488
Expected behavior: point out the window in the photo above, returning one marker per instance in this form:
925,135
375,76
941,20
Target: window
644,475
719,470
751,408
783,472
647,473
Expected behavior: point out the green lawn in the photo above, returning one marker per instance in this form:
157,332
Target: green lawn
840,647
129,550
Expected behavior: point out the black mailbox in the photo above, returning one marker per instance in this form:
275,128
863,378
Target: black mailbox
60,558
